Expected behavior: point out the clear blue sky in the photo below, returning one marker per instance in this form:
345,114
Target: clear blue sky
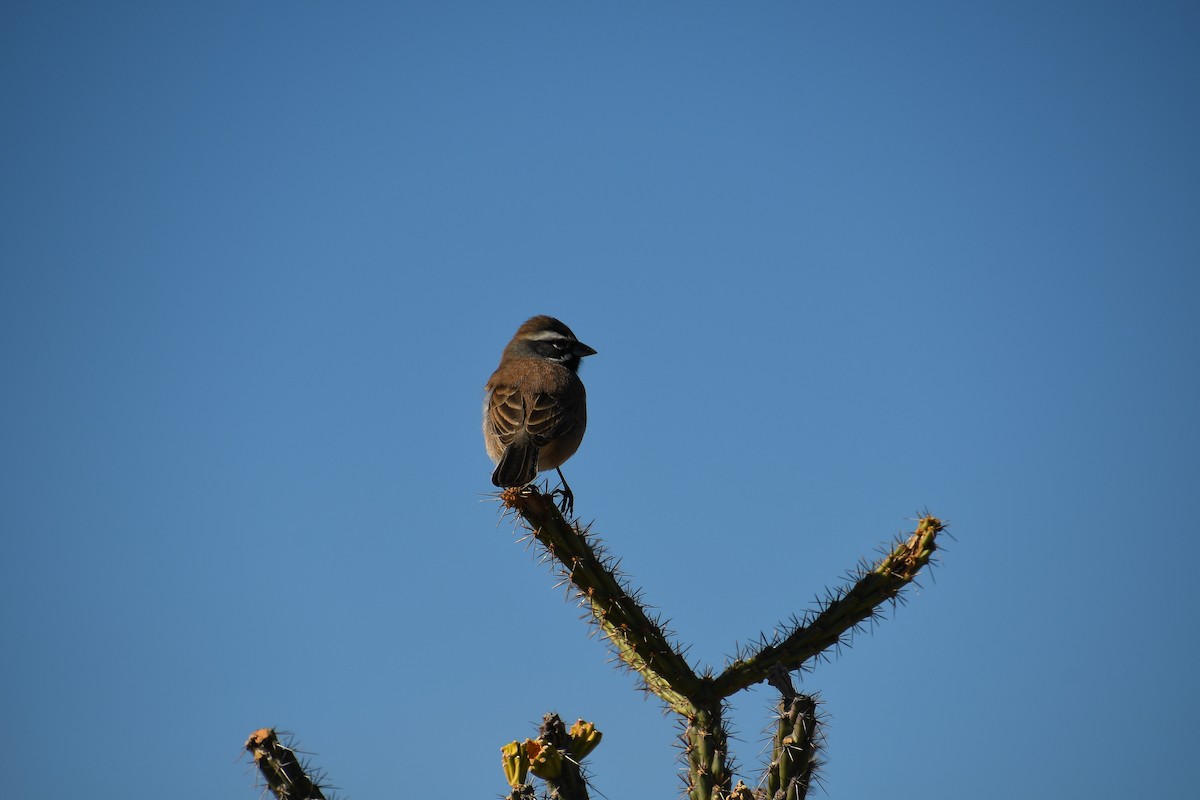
841,262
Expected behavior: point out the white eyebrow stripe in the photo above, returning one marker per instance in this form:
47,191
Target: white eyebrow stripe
547,336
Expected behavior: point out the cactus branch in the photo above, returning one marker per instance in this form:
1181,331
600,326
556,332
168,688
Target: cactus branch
283,772
706,747
638,641
794,748
569,784
840,615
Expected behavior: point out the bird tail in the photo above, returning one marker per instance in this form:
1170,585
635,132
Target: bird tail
518,465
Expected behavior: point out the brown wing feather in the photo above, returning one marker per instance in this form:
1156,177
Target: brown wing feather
506,413
550,418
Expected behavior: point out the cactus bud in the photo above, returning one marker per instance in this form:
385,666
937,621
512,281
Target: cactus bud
544,759
584,739
516,763
741,792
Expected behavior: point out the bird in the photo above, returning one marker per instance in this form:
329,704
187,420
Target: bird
535,406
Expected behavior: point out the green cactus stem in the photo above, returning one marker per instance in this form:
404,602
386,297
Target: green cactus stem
793,752
706,748
841,614
638,641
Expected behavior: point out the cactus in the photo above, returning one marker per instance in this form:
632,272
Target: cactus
554,757
643,645
286,776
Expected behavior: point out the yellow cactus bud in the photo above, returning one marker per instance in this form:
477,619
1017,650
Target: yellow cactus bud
741,792
544,759
516,763
584,739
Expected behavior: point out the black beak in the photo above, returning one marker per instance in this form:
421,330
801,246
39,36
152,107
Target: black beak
580,349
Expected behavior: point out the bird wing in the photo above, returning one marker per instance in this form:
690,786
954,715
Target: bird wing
551,416
506,413
543,417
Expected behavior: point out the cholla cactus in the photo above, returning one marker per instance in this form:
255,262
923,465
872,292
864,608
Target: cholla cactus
642,644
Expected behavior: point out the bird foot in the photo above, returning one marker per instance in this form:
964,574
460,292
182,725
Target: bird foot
566,500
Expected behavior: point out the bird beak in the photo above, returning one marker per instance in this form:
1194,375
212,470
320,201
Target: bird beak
580,349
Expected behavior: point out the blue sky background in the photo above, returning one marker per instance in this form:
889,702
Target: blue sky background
841,262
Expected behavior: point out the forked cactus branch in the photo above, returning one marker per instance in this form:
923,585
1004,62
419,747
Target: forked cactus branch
643,645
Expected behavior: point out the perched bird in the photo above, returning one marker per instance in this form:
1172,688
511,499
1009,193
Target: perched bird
535,406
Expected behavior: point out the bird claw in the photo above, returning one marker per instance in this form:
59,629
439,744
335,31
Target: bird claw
566,503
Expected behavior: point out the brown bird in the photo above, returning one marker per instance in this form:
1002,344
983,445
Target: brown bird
535,406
